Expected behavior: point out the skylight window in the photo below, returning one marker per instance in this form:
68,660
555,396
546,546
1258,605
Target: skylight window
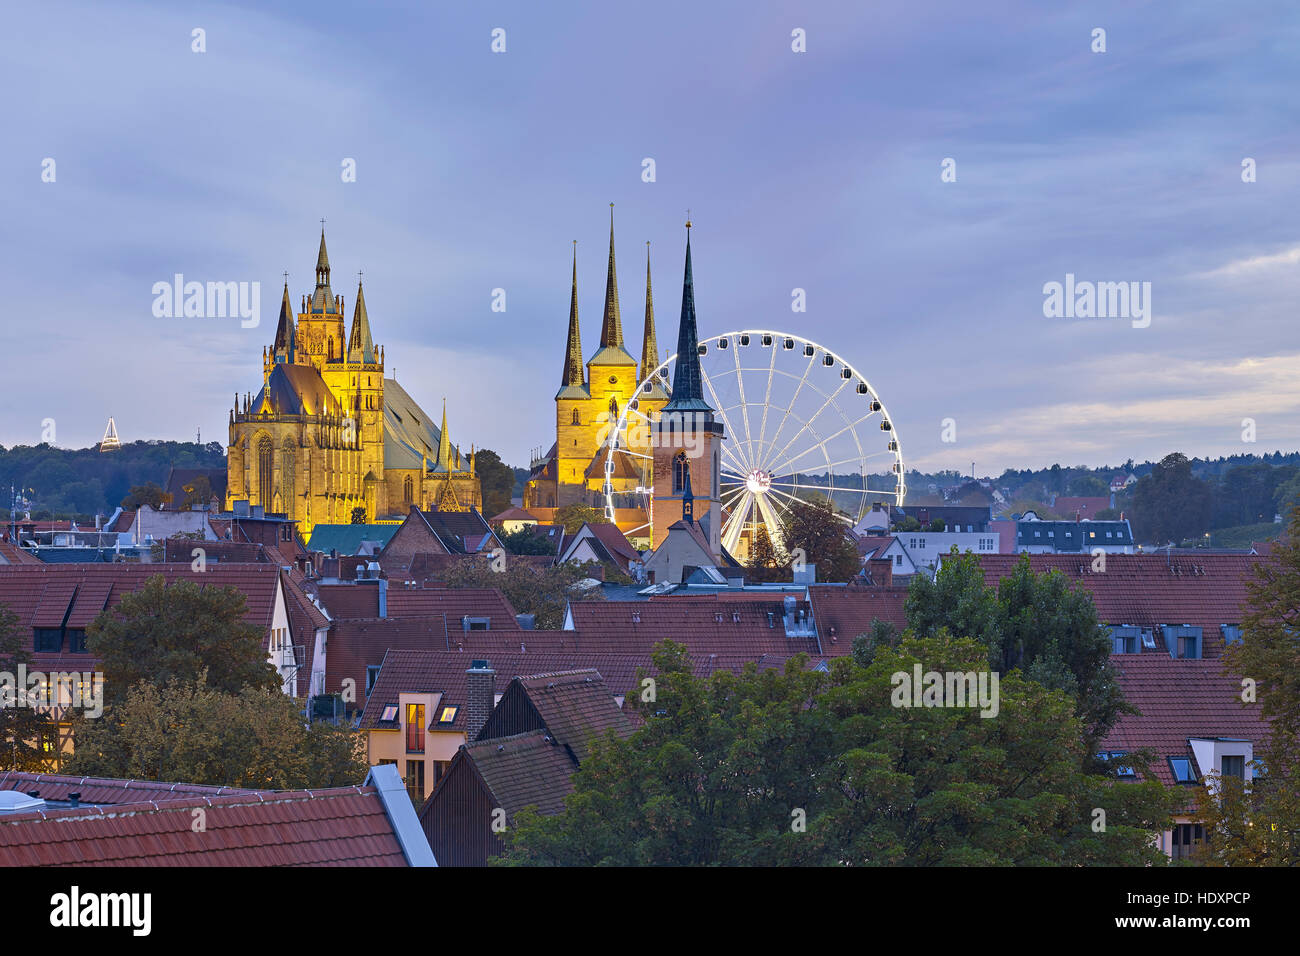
1231,633
448,715
390,713
1181,767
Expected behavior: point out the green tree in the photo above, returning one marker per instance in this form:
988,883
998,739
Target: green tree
882,634
1089,486
496,479
574,516
541,591
1171,504
197,492
189,730
525,540
804,767
816,529
164,632
1038,623
1260,826
24,732
147,494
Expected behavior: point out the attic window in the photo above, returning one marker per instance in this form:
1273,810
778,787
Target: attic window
448,715
475,623
1231,633
1181,767
1121,770
389,714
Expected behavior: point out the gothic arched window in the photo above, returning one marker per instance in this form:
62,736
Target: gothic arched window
576,419
408,491
613,409
286,476
680,469
265,470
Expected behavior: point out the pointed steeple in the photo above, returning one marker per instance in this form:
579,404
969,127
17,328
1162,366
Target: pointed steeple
444,442
284,331
573,374
361,348
649,344
322,299
611,329
688,384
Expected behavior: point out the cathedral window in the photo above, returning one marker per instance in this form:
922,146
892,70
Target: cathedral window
408,491
576,419
265,470
680,467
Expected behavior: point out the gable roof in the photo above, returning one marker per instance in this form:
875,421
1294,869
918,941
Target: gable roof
529,769
574,706
705,625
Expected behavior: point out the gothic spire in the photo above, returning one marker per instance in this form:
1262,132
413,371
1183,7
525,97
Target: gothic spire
284,331
611,330
444,442
649,345
322,299
688,387
361,348
573,374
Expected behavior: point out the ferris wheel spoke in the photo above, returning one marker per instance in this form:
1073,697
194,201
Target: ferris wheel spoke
828,438
767,404
725,420
775,528
807,425
731,533
803,380
744,409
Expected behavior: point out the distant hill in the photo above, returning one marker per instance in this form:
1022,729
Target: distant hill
65,482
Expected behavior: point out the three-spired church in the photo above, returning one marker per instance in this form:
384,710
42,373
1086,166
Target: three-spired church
656,483
328,433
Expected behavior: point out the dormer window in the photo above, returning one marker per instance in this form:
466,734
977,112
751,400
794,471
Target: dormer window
1233,766
1231,633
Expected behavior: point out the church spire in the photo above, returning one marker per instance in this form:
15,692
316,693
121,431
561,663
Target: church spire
284,331
361,348
322,299
573,374
649,345
611,330
444,442
688,387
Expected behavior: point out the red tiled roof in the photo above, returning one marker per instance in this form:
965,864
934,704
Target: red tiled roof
344,826
868,545
704,624
12,554
513,514
529,769
110,791
1150,590
576,705
842,613
1178,700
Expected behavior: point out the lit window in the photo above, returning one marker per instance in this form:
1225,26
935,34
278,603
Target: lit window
448,715
415,728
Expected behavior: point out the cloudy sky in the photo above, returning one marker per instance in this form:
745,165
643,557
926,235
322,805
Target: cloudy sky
818,170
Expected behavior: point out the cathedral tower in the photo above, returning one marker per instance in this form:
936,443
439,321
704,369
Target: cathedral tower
687,441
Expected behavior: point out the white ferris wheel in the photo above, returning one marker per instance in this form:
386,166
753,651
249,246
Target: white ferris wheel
801,424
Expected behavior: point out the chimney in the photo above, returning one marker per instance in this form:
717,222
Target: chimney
74,799
882,571
480,691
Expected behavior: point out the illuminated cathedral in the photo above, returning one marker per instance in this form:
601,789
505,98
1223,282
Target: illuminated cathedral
329,434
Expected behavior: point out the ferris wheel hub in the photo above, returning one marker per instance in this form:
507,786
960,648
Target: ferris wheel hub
758,481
